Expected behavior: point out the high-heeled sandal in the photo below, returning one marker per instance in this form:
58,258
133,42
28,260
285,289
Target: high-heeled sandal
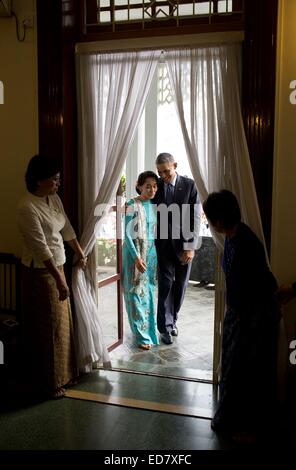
71,383
58,393
145,347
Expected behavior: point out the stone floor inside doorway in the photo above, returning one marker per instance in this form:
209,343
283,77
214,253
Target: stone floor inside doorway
191,354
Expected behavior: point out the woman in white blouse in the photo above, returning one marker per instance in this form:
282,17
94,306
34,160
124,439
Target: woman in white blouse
44,226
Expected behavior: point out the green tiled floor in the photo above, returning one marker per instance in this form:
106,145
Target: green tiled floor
152,389
78,424
71,424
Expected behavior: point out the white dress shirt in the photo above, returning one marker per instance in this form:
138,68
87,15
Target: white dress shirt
43,226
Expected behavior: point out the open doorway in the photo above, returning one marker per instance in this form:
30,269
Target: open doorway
191,354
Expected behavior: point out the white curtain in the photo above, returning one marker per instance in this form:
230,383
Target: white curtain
112,91
205,83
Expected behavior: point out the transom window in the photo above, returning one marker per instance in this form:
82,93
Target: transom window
119,11
122,15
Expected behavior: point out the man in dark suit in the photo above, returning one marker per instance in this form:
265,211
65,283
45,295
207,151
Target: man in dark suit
178,222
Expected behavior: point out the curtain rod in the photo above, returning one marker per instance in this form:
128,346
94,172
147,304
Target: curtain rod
160,43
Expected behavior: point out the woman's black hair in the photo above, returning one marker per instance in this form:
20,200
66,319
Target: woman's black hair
40,168
142,178
222,207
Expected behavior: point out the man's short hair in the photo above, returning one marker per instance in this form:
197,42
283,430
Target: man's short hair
164,158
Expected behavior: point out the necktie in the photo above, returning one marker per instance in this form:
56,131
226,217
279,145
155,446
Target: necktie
169,198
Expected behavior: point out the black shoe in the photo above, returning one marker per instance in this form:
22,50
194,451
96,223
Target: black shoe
175,331
166,338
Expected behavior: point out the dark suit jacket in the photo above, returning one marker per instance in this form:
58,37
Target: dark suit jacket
185,193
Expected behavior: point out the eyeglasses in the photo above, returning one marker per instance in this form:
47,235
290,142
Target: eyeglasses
55,179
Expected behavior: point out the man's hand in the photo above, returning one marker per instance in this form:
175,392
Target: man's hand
187,256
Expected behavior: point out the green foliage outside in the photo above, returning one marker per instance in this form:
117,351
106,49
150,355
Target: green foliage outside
106,248
106,252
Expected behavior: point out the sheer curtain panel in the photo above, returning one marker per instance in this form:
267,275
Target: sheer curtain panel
205,83
112,89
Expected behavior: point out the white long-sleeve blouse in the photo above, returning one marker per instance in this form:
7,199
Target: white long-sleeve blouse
43,226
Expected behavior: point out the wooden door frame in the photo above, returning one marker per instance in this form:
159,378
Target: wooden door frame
59,28
118,279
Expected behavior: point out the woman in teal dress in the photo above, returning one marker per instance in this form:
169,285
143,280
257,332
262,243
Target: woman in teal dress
140,262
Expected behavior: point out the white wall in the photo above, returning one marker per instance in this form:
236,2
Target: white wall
283,251
18,118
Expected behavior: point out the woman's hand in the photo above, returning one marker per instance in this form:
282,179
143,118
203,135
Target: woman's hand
82,259
81,263
285,293
141,265
64,291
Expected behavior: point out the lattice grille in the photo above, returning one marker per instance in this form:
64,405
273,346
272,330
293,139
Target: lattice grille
165,94
123,16
123,11
164,87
